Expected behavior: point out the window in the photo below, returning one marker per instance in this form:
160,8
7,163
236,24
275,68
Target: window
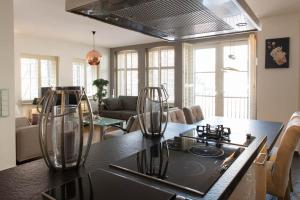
36,72
127,73
84,75
161,69
222,79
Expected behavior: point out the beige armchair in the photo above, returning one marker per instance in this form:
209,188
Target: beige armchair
27,140
193,114
132,125
296,114
279,165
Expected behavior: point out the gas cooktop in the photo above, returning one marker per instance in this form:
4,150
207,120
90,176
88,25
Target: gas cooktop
182,163
219,135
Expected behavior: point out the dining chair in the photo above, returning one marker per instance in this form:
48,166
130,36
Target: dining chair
131,126
177,116
193,114
279,164
297,114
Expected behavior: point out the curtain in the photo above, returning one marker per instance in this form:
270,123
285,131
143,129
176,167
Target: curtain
252,68
188,75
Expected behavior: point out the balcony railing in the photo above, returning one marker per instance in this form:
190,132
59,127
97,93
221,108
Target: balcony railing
233,107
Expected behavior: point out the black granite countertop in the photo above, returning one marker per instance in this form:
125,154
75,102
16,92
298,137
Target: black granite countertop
29,180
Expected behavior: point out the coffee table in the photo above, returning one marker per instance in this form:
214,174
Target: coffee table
104,122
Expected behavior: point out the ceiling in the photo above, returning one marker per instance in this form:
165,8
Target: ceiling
48,18
266,8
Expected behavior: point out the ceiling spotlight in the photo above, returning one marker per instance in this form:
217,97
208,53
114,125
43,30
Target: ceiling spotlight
242,24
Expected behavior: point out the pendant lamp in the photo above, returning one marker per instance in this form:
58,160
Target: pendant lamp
93,57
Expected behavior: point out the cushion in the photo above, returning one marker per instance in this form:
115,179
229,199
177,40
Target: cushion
113,104
125,114
21,122
129,102
35,119
115,114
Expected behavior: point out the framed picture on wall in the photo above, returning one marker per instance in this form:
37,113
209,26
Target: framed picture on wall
277,53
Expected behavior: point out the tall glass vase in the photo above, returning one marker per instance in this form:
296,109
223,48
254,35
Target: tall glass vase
61,127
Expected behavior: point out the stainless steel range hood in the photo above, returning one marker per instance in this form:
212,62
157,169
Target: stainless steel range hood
171,19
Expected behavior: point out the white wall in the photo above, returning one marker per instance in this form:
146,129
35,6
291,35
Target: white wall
7,125
278,90
66,52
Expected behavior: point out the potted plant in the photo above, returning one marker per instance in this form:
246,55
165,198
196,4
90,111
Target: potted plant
101,91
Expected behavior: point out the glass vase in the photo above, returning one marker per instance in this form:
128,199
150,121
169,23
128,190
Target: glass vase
61,127
153,110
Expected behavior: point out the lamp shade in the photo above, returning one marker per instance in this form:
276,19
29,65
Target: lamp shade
93,57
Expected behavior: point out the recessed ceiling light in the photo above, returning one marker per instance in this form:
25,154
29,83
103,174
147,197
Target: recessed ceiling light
88,12
242,24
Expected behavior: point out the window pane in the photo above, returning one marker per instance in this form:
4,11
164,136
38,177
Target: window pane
153,59
134,60
240,53
29,78
78,73
128,60
153,77
205,60
207,105
167,79
121,83
127,73
91,75
132,83
48,72
231,88
205,84
164,58
171,57
161,69
121,61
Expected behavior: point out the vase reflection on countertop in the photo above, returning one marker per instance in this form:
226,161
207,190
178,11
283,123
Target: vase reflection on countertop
77,189
154,161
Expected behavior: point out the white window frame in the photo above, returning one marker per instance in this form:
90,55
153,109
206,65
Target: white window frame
39,58
86,65
125,69
219,74
160,67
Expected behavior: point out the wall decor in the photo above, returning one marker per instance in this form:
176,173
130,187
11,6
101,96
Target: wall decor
4,103
277,53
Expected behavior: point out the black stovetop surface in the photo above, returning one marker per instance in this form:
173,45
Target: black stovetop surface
178,164
105,185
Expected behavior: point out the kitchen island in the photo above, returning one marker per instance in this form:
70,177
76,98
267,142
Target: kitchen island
28,181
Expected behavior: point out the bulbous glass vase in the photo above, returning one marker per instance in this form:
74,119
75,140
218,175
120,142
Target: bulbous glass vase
61,127
153,110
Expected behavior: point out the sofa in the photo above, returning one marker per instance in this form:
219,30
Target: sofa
122,107
27,140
